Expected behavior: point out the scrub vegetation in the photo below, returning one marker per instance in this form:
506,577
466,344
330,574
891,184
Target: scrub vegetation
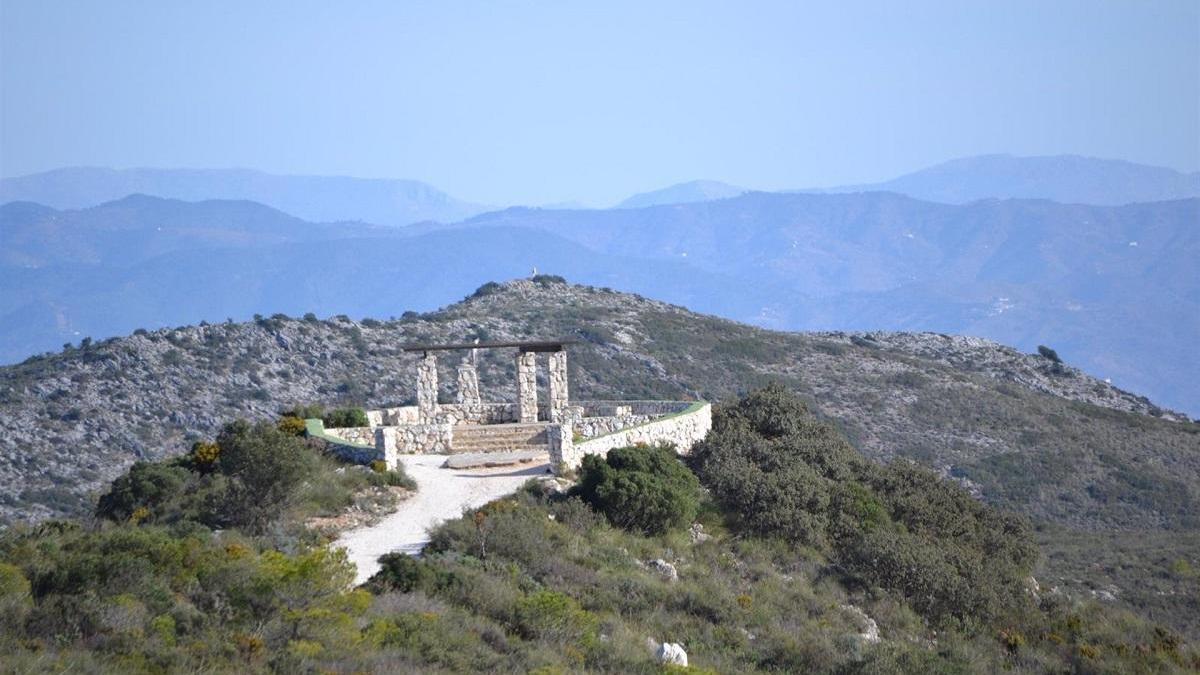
781,540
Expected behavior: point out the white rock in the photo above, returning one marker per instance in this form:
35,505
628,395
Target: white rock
666,569
672,653
698,533
869,630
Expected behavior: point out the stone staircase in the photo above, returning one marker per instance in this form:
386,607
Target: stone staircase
481,438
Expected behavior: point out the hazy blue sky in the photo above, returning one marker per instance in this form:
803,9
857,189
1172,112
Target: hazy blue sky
534,102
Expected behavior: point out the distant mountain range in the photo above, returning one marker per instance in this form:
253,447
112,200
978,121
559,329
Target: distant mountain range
683,193
1113,289
1069,179
316,198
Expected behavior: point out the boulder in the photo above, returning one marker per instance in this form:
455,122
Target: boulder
666,569
869,630
671,653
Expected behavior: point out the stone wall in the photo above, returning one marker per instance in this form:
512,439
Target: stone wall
390,417
591,427
618,408
413,439
482,413
339,447
359,435
683,430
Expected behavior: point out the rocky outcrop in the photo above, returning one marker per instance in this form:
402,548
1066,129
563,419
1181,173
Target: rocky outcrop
70,422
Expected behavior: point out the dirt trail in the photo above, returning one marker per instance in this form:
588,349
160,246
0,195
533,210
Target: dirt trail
441,494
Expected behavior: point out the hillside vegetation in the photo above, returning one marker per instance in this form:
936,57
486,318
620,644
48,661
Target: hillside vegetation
1019,431
880,569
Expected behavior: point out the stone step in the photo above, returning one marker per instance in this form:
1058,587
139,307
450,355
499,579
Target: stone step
485,446
485,459
470,430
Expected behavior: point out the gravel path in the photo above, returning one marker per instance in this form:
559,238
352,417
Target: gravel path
441,494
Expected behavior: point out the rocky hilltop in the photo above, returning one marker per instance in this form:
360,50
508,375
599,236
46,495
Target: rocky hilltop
1020,429
1110,479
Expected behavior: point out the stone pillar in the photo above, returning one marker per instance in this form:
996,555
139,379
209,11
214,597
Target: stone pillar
560,441
385,446
527,386
427,389
558,386
468,384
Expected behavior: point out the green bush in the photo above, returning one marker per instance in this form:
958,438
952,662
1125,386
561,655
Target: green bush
291,425
784,473
641,489
265,466
404,573
553,616
1049,353
146,485
346,417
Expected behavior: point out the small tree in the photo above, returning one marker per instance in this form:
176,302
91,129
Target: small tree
1049,353
642,489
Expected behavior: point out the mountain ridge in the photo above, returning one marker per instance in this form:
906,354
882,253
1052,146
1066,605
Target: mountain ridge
381,201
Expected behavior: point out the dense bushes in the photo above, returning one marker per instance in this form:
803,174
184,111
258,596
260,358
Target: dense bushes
252,476
783,473
346,417
642,489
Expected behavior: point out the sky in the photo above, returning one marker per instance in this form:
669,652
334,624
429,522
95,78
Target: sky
547,102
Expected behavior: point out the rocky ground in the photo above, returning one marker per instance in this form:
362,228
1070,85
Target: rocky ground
69,422
1020,431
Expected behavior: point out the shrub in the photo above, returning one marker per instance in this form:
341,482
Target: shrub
485,290
1049,353
783,473
266,465
548,279
404,573
550,615
641,489
291,425
146,485
205,455
346,417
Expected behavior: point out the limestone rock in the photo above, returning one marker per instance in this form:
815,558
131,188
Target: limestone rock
672,654
698,534
868,629
664,568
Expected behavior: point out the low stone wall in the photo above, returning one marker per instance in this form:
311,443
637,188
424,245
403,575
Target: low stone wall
413,439
477,413
447,413
619,408
682,429
591,427
356,435
347,451
390,417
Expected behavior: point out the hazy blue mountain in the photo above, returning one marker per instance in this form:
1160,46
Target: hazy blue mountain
1063,178
1114,288
144,262
316,198
683,193
138,227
